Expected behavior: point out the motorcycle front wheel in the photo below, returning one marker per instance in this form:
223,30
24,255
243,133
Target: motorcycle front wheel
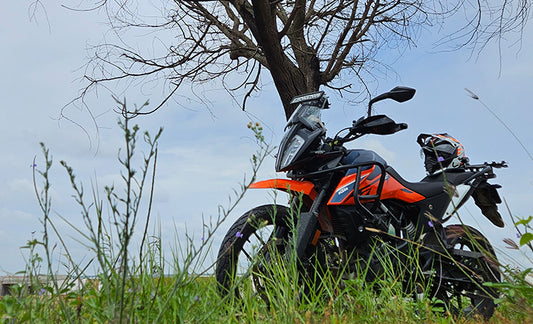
249,252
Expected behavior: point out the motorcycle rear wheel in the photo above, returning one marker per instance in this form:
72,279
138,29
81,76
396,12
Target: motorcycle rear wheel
468,297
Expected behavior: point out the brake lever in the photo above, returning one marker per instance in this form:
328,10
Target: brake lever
402,126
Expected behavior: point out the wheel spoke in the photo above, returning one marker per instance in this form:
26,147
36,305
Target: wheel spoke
247,256
259,238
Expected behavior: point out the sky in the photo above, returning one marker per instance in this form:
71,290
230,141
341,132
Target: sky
204,153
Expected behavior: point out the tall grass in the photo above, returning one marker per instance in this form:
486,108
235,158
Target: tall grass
123,281
517,288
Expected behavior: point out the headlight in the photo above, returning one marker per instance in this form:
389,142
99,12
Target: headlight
294,146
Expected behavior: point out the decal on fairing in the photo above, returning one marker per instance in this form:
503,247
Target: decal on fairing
343,194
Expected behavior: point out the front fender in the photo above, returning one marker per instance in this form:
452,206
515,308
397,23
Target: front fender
305,187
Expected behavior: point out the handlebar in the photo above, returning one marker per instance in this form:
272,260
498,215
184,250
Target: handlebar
356,132
378,124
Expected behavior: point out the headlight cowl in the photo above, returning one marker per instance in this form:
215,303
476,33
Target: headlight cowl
291,151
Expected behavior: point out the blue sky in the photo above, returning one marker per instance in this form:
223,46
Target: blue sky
204,154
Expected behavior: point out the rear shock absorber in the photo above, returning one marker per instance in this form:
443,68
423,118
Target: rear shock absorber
410,230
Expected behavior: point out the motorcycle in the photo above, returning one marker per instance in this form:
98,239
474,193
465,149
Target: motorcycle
349,209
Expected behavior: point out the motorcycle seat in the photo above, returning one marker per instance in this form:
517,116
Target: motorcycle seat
432,185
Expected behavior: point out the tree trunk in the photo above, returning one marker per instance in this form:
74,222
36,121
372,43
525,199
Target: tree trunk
289,79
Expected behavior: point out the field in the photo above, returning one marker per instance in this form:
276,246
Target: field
182,299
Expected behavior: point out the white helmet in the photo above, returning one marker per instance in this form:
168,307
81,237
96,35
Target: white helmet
441,152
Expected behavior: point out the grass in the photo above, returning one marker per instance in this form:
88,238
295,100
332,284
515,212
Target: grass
131,286
199,301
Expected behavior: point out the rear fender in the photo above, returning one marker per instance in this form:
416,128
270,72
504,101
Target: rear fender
292,186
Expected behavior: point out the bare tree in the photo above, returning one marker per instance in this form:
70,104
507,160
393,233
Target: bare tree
304,44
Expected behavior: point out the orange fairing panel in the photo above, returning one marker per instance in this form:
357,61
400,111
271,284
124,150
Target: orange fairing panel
392,189
305,187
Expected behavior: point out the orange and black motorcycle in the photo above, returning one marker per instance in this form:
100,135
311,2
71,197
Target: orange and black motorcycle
349,210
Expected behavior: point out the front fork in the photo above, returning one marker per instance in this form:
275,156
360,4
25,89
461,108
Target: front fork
307,229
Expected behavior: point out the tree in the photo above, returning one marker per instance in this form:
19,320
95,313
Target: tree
304,44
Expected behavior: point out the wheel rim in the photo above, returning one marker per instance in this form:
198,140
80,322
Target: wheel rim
252,262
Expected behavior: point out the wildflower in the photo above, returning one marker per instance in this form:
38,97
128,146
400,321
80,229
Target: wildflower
511,244
196,298
440,159
430,224
33,165
42,291
239,234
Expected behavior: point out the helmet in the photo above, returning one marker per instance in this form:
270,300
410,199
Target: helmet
441,151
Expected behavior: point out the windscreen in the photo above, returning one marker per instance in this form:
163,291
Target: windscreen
307,114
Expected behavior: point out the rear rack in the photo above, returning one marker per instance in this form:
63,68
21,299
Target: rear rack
485,168
477,167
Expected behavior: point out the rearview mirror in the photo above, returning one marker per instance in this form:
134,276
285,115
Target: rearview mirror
399,94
